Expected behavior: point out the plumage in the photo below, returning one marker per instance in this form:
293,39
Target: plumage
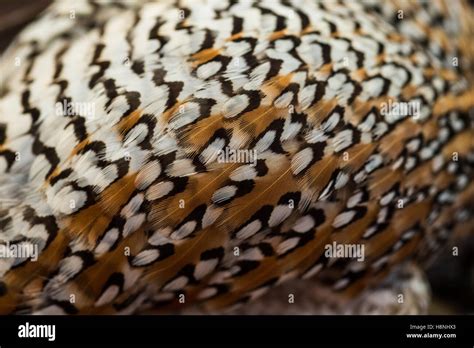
117,126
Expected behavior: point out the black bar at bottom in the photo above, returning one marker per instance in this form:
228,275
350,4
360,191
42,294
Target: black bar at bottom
134,331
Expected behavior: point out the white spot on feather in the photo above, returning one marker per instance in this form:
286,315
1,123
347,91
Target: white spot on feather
306,96
207,293
107,241
304,224
185,116
224,193
184,231
283,100
176,284
181,167
265,142
133,223
343,219
210,153
132,206
70,266
207,70
211,215
159,190
159,237
108,296
279,214
313,271
249,229
235,105
146,257
287,245
147,175
301,160
245,172
342,140
203,268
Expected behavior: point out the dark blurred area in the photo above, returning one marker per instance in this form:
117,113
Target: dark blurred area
15,14
452,278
